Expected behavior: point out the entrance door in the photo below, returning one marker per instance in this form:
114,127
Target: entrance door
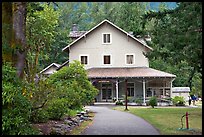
106,92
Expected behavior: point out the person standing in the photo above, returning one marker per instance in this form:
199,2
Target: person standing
189,100
193,99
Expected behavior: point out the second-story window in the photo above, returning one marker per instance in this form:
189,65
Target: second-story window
106,38
129,59
106,59
84,60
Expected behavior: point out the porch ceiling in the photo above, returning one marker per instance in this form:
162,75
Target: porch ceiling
128,72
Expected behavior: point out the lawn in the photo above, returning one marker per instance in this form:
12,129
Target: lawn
168,120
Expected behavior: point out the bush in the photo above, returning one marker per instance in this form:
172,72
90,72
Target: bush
118,102
178,101
39,116
129,98
138,101
153,101
57,108
80,91
16,108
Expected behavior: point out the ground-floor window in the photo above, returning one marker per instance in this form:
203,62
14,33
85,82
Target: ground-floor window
130,89
106,89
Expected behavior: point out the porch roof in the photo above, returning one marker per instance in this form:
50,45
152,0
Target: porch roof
127,72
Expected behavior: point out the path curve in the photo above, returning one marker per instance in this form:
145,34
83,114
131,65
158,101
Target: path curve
113,122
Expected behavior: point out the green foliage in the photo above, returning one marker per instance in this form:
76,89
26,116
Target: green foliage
129,98
66,90
130,13
173,32
197,85
39,116
40,92
16,108
178,101
153,101
41,24
57,108
118,102
138,101
74,81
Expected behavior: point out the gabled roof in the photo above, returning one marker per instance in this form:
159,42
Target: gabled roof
65,48
53,64
64,64
128,72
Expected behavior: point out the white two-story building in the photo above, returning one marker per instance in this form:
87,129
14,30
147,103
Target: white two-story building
115,61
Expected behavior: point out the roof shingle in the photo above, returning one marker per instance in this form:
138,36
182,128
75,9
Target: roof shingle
126,72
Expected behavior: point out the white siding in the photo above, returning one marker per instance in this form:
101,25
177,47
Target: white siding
120,46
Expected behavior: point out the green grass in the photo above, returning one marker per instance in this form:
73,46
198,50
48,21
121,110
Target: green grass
168,120
198,103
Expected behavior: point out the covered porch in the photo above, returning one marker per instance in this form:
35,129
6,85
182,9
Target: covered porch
141,83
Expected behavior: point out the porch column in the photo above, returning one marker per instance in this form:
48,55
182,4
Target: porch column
171,87
126,94
143,83
116,85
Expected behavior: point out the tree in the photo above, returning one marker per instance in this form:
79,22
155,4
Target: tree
19,21
14,18
7,23
177,40
129,16
41,26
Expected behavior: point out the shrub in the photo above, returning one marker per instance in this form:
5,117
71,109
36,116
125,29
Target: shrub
138,101
16,108
57,108
129,98
118,102
153,101
80,91
178,101
39,116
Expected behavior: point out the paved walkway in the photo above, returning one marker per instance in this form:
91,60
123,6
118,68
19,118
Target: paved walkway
114,122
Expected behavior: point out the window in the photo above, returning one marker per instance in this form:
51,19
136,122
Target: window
106,38
129,59
130,89
84,60
106,59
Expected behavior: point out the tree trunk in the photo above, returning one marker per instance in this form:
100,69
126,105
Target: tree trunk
19,39
6,31
191,77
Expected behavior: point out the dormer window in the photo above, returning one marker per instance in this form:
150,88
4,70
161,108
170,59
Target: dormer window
106,38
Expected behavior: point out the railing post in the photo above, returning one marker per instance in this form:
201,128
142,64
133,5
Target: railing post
187,120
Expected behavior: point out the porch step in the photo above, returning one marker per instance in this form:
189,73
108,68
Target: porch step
104,103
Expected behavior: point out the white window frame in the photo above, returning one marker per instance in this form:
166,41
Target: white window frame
103,59
87,58
133,58
103,39
133,87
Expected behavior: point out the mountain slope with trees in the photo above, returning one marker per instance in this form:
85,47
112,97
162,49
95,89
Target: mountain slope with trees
34,33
